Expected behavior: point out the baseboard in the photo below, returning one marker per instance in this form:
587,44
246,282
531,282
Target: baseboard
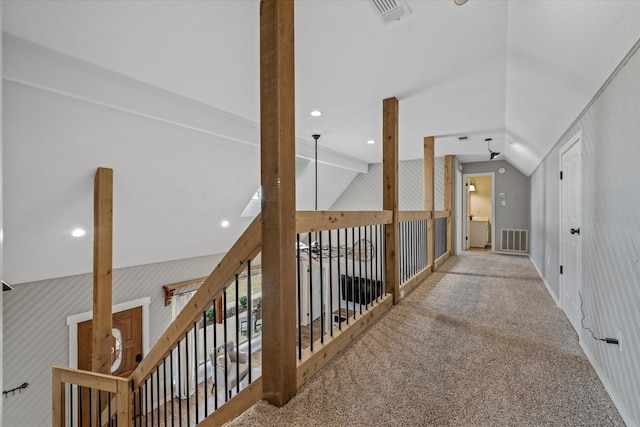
617,402
555,298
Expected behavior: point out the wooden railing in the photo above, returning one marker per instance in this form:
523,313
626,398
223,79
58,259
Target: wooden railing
115,391
343,252
414,248
339,235
244,250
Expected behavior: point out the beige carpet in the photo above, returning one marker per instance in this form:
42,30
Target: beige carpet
480,343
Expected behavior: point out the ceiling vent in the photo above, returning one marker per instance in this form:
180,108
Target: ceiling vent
390,10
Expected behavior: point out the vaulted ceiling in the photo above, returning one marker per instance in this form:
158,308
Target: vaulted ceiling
516,71
167,94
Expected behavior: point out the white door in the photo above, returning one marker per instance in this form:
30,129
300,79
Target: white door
570,233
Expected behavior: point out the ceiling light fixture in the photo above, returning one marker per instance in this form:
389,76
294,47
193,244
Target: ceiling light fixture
460,2
78,232
224,223
316,113
371,141
492,154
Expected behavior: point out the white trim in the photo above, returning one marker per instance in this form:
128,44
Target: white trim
555,298
73,320
617,402
493,203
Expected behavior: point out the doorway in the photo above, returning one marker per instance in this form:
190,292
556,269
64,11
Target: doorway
570,238
74,321
478,219
126,347
459,216
126,352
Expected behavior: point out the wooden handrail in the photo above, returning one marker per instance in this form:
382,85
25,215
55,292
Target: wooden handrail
118,386
310,221
94,380
441,214
245,249
413,215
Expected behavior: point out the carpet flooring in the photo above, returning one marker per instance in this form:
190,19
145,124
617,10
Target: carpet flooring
479,343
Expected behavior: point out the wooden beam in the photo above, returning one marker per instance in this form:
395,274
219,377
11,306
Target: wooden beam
429,190
310,221
414,215
390,198
448,198
277,157
429,157
102,265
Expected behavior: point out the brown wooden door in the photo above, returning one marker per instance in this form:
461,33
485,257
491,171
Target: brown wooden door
126,352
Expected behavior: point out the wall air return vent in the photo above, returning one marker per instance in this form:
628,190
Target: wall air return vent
390,10
514,240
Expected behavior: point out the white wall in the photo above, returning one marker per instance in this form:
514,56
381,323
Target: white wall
180,167
1,209
610,232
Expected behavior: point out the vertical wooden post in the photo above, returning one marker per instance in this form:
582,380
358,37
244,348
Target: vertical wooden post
58,399
390,191
429,182
277,156
102,264
124,403
448,199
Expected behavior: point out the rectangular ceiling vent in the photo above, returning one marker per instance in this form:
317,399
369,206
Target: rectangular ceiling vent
390,10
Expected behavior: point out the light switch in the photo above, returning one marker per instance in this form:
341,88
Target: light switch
504,203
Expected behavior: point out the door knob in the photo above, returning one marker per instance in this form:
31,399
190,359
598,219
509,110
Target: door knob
575,230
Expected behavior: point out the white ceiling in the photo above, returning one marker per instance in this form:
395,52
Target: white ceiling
516,71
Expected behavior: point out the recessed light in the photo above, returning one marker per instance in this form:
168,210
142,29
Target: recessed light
224,223
316,113
78,232
371,141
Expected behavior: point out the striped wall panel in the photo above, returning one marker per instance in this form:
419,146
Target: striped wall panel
365,191
36,335
610,231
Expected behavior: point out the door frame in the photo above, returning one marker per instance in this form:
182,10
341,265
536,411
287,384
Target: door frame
465,204
458,210
72,323
575,140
